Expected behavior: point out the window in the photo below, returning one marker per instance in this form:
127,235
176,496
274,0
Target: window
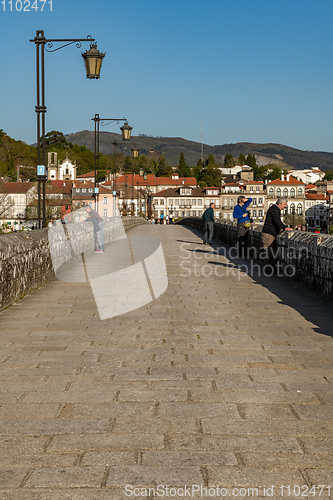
194,202
232,202
199,202
15,200
292,193
90,190
161,201
300,191
176,213
278,193
292,208
105,212
257,188
225,215
226,202
194,213
254,213
271,191
254,202
251,189
299,209
188,203
105,200
200,213
83,190
259,201
22,200
285,192
259,214
67,171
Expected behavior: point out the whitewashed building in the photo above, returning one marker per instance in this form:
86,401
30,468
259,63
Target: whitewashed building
56,171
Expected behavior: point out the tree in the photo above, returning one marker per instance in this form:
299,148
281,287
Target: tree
163,170
241,159
183,168
197,170
229,161
210,175
6,204
298,220
329,175
55,139
251,161
270,172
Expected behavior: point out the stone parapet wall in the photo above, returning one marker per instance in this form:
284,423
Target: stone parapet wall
25,257
304,257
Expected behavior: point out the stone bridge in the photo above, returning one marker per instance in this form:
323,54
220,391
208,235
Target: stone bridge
220,387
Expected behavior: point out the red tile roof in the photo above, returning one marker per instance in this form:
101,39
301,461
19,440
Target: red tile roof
89,174
15,187
292,182
137,180
316,196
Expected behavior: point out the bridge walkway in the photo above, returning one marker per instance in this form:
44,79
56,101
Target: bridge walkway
224,381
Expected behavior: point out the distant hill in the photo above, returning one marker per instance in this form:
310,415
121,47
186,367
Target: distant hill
171,147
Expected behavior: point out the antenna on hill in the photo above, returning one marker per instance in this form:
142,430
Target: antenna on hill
202,143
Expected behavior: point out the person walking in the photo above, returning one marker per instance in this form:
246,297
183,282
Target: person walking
273,225
98,224
208,218
243,225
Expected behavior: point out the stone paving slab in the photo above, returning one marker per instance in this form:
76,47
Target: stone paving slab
221,381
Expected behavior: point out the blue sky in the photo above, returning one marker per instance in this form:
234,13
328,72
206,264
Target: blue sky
250,70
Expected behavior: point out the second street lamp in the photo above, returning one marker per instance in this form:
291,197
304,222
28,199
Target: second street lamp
93,67
126,132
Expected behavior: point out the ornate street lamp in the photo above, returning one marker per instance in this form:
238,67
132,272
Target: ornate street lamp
126,131
135,152
93,61
40,41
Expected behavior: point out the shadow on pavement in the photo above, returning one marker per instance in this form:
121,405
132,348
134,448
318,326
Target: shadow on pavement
313,308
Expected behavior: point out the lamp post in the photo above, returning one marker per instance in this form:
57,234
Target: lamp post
93,62
293,212
126,133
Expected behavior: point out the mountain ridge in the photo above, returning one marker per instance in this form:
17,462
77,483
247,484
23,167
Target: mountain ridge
171,147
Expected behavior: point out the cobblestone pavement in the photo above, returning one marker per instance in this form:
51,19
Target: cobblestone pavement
225,381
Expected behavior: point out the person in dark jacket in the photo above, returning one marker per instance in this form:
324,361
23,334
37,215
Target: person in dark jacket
208,218
272,227
243,225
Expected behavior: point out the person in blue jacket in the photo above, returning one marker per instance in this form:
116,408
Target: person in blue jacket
243,225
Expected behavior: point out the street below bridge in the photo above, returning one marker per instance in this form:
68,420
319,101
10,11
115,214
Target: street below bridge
220,387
